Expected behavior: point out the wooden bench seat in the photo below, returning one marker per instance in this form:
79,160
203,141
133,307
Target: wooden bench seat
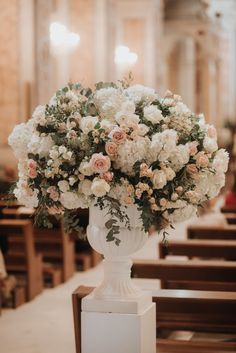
212,233
194,274
181,310
199,248
26,260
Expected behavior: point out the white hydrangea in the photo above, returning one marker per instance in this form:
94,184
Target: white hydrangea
109,101
40,144
210,144
19,139
38,116
139,92
179,157
221,160
153,114
130,152
215,183
25,195
181,214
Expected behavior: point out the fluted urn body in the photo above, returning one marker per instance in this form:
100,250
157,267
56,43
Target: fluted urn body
117,283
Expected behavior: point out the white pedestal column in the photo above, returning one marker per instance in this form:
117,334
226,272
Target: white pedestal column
109,332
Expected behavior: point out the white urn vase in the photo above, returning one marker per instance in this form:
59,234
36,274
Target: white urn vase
117,283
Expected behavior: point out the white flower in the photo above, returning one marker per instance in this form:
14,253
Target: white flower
109,101
125,118
130,152
159,179
215,183
181,214
40,145
100,187
179,157
63,185
85,187
180,109
142,129
38,116
107,125
85,168
128,106
221,161
25,195
139,92
210,144
153,114
19,139
71,201
87,123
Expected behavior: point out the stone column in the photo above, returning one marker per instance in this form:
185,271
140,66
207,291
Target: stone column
187,72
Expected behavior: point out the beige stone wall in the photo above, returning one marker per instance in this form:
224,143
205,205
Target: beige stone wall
9,68
82,18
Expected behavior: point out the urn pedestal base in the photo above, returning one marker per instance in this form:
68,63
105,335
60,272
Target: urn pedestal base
118,332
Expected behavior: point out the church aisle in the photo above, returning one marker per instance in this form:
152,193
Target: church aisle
45,325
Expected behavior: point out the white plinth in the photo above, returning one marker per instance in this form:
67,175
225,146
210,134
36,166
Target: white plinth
119,333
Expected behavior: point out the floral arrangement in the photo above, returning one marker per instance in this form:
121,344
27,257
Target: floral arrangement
114,146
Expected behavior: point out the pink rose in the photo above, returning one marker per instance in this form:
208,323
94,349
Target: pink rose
99,163
32,173
118,135
211,131
107,176
32,164
202,160
111,148
62,127
192,146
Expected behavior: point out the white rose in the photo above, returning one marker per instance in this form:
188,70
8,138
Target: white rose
85,168
87,123
142,129
100,187
210,144
63,185
159,179
153,114
85,187
126,118
70,200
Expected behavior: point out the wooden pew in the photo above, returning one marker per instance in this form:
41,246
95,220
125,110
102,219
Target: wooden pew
199,248
181,310
212,233
55,246
228,209
21,257
230,218
194,274
57,249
